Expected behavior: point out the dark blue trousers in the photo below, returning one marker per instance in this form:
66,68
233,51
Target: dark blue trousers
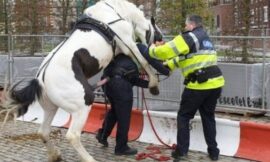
120,94
205,101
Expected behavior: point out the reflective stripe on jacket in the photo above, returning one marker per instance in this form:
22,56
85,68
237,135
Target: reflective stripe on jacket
169,50
189,52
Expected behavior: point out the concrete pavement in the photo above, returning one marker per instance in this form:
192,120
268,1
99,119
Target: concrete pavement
19,143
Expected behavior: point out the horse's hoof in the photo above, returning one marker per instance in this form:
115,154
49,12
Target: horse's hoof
154,90
58,159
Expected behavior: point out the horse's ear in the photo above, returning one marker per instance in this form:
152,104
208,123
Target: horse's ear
153,21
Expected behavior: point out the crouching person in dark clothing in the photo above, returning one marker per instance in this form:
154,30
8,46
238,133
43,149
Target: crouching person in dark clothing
124,74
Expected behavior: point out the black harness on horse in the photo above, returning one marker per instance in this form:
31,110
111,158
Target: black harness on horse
88,23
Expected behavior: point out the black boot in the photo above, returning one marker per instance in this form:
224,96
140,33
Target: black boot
213,154
127,151
101,139
213,157
179,156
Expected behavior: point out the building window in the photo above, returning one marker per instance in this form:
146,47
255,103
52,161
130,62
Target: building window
265,13
256,15
261,15
218,21
252,12
252,16
236,22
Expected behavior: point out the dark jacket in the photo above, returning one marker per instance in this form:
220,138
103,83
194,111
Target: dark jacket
123,66
203,40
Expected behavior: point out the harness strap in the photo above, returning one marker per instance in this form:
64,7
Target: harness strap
103,29
45,65
115,21
114,10
121,18
114,47
89,23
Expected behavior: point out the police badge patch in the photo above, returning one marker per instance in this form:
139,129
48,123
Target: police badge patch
207,44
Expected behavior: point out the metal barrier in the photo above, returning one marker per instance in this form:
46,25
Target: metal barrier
252,50
242,58
15,46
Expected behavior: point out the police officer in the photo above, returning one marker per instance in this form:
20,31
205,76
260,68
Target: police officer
194,54
124,74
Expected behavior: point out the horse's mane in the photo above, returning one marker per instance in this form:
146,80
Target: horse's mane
128,10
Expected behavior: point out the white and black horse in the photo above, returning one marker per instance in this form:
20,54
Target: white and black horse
61,81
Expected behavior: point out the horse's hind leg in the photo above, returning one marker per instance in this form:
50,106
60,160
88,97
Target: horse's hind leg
45,129
74,132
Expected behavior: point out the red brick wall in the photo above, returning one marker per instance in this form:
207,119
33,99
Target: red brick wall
225,13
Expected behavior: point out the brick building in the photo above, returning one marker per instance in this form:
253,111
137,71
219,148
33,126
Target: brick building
223,16
229,16
259,17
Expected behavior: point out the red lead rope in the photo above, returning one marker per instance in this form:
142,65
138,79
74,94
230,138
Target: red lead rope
154,150
153,155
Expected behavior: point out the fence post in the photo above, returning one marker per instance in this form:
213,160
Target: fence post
42,46
264,72
9,60
138,97
143,99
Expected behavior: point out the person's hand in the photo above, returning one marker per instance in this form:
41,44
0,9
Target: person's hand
159,43
165,64
142,72
152,45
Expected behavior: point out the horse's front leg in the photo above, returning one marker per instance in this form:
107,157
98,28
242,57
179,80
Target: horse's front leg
153,81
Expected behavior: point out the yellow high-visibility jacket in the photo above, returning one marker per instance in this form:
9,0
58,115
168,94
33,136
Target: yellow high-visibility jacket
189,52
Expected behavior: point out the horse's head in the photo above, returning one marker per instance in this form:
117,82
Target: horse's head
148,32
157,33
144,30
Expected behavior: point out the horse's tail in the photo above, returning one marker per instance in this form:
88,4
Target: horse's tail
18,99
